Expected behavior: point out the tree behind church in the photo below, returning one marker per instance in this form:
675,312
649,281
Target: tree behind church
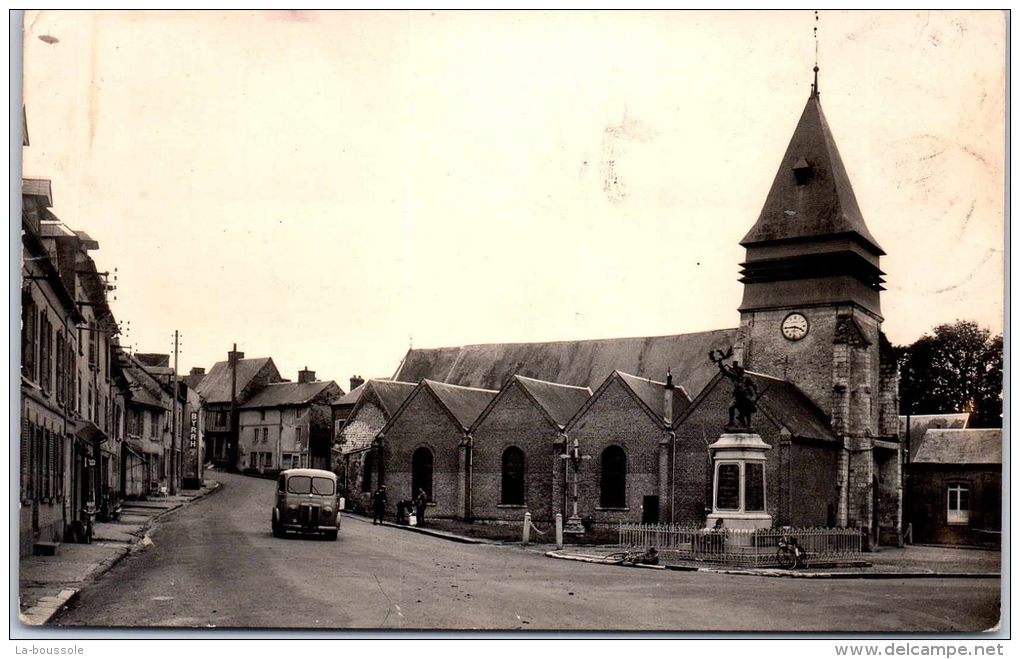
956,368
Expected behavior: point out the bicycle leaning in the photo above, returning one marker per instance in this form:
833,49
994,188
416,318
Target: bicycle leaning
790,554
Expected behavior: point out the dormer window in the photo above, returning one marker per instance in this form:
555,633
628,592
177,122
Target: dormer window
802,171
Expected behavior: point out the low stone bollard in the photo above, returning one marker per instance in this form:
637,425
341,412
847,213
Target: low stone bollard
527,528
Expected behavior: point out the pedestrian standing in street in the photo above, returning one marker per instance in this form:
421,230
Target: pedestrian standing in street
379,505
419,506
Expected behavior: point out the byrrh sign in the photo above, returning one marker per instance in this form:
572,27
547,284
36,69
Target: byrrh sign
193,436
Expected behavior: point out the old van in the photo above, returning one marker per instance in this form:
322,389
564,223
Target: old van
307,501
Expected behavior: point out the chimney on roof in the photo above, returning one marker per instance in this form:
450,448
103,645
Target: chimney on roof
667,399
305,376
356,381
197,370
234,356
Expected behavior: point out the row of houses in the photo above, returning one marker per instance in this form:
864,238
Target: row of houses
256,421
98,424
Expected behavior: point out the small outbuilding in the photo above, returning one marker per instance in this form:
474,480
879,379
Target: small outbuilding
954,487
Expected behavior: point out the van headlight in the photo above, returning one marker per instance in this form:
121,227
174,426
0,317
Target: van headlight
327,512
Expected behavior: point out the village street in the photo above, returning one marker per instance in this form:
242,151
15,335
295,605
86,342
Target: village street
215,564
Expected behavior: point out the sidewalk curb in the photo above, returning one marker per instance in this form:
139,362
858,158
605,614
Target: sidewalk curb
49,607
600,561
424,531
790,574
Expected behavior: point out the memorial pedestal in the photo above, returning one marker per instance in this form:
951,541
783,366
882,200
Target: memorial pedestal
738,484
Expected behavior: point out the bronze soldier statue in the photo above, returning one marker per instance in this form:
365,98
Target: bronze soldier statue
745,391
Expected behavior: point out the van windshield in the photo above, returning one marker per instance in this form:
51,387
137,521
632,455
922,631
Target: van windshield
309,484
299,484
322,486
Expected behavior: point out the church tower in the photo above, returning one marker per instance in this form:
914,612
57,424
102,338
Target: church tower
811,314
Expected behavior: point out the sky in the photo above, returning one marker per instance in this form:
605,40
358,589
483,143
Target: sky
330,188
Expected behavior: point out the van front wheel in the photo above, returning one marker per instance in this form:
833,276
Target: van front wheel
331,535
277,531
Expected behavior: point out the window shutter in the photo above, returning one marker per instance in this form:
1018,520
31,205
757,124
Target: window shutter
46,464
24,458
60,467
34,462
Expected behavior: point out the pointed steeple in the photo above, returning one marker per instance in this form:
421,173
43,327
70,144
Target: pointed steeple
810,245
811,196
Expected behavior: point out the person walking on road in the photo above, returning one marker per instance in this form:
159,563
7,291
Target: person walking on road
419,506
379,505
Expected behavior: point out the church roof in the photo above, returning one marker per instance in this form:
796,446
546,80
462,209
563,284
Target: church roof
651,394
465,404
578,363
778,400
811,195
559,402
646,394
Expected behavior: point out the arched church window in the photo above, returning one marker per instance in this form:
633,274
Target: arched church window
614,478
421,472
513,477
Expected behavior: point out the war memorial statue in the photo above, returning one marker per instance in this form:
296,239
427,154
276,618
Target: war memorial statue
745,391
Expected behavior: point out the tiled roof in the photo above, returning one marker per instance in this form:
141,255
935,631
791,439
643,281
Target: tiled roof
652,393
921,423
215,386
464,403
391,395
560,401
825,204
579,363
353,396
960,446
788,406
778,400
284,394
143,388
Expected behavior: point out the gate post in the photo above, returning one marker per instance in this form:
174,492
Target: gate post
559,530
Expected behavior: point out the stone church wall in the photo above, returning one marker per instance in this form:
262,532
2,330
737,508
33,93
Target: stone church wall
424,423
515,421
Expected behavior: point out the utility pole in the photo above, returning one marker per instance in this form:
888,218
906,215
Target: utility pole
173,421
233,449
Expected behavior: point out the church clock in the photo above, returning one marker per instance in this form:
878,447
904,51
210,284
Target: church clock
795,327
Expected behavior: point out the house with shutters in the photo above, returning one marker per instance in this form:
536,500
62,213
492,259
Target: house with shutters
286,425
228,384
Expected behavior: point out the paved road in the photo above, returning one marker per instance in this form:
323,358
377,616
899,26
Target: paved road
215,563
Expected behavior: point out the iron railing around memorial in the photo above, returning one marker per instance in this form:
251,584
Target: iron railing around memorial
758,547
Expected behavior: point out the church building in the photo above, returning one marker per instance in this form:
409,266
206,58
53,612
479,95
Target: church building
809,347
